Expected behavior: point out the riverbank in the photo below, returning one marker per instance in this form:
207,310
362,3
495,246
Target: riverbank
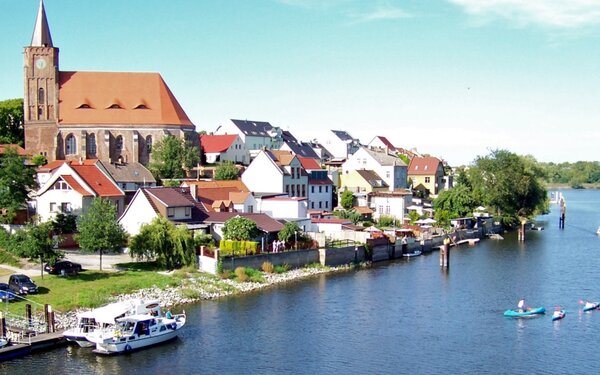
199,286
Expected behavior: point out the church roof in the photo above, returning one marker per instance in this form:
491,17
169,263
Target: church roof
118,98
41,32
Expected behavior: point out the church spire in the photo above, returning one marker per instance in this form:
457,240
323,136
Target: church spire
41,32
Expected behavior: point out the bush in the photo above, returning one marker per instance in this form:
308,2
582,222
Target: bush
240,274
281,269
190,293
238,248
267,267
203,239
254,276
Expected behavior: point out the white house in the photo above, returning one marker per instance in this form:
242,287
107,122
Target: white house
283,207
276,171
320,186
389,167
392,204
339,143
71,188
255,135
224,147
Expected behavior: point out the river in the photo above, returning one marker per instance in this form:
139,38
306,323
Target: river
402,317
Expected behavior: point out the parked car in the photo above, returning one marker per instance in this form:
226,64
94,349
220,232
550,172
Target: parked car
63,267
5,293
21,284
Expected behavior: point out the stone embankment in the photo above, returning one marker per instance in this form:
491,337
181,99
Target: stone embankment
204,287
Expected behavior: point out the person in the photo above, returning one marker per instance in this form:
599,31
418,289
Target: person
521,305
168,315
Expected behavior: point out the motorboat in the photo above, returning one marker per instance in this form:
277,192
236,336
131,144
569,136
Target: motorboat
413,254
104,318
139,331
558,315
3,342
589,306
523,313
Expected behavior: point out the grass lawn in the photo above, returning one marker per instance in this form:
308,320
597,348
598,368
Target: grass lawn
91,288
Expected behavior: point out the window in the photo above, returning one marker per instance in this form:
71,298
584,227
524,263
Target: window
70,145
312,205
387,174
170,212
326,204
52,207
320,204
250,209
114,106
304,190
91,144
312,189
119,144
40,112
66,207
188,211
149,143
427,180
326,189
387,210
380,210
320,189
60,185
287,189
41,96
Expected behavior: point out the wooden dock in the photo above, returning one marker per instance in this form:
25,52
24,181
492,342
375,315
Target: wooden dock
42,341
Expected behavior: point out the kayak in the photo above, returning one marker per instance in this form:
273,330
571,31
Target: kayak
525,313
591,306
558,314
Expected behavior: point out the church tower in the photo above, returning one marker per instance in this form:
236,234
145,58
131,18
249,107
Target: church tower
41,89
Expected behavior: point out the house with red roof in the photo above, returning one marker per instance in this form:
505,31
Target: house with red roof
215,195
320,186
224,147
276,171
427,174
71,188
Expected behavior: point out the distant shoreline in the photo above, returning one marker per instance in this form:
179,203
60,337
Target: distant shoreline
569,187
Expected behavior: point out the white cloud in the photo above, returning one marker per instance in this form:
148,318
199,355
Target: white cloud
381,12
552,13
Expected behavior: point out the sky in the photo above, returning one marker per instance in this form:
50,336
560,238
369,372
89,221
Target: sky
454,79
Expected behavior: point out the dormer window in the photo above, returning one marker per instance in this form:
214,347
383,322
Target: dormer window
141,106
84,106
115,106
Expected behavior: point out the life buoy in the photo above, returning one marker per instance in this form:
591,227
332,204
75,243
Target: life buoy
127,348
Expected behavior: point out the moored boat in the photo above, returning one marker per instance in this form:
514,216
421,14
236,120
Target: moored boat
558,315
104,318
135,332
522,313
413,254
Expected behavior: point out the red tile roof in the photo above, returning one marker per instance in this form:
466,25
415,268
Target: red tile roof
309,163
20,150
423,165
263,222
118,98
216,143
387,143
70,180
98,181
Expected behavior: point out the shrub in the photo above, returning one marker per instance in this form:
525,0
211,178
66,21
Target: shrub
254,275
238,248
190,293
240,274
281,269
267,267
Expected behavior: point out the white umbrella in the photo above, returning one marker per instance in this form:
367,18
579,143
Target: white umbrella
429,221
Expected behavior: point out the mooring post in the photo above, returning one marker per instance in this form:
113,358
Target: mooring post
28,314
563,212
47,317
522,230
445,253
2,325
50,321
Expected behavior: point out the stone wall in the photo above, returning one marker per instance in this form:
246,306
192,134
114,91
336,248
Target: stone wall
294,259
342,255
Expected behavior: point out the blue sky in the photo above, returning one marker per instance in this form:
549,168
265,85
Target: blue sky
453,78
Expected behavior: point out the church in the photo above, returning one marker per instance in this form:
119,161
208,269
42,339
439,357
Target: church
114,117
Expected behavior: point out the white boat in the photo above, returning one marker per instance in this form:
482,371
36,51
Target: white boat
598,231
495,236
3,342
104,318
135,332
413,254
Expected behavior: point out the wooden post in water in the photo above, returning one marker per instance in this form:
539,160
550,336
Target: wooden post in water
28,314
445,253
47,317
50,328
2,325
522,230
563,212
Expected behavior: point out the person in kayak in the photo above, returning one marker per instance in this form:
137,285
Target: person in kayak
521,306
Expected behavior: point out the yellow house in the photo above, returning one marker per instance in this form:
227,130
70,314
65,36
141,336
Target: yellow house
427,173
361,183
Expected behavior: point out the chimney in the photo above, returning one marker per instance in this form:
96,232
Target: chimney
194,191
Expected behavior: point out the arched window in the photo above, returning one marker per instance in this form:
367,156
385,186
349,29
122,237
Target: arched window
70,145
119,144
149,143
41,96
91,144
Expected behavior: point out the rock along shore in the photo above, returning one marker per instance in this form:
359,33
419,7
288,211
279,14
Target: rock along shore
203,287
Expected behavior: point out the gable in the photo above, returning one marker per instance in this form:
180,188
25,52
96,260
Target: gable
217,143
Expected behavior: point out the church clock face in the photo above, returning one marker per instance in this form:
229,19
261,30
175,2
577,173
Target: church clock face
40,63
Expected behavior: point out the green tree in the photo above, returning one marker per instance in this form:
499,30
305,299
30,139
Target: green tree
289,232
16,180
39,160
171,246
64,223
442,217
240,229
39,244
347,200
11,121
413,216
510,184
457,202
99,230
226,171
171,155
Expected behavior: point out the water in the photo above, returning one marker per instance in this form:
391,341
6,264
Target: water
403,317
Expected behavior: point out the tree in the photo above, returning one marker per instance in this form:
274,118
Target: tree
240,229
289,232
64,223
226,171
171,156
347,200
16,180
11,121
39,160
39,244
99,230
457,202
171,246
